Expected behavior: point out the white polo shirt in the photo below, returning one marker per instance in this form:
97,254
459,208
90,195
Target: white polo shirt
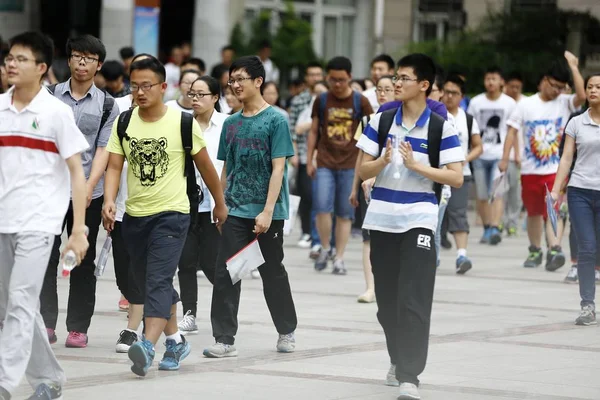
34,177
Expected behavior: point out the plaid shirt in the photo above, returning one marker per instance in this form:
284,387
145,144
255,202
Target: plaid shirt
299,104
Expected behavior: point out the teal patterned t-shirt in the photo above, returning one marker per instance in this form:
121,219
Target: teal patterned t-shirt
248,145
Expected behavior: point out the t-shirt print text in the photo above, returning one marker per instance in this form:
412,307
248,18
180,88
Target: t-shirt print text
148,159
339,124
424,242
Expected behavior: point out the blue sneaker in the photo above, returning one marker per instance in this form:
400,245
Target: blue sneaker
495,236
176,352
463,264
142,355
486,236
45,392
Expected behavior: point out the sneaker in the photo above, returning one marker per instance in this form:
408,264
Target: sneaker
51,335
286,343
495,236
486,236
76,340
535,257
572,275
339,268
142,355
321,261
123,305
409,391
4,395
555,259
587,316
175,354
367,297
126,339
220,350
188,324
332,254
463,264
315,251
200,274
46,392
390,379
446,244
512,232
305,241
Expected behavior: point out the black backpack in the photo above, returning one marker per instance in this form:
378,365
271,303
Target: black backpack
434,140
194,193
469,131
107,107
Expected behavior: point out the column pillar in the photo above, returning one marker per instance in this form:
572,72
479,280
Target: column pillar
212,27
116,27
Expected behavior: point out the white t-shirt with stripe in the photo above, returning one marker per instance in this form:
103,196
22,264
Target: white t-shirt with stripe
401,199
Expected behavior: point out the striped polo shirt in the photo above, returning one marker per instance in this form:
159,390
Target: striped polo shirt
401,199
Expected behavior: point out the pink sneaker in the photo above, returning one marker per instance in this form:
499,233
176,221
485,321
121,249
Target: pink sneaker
76,340
51,335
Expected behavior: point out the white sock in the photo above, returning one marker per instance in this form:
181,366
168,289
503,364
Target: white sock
461,253
176,337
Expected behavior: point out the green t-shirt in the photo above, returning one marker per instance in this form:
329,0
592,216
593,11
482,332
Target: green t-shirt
248,145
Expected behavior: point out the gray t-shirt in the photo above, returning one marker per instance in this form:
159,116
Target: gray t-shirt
586,134
88,114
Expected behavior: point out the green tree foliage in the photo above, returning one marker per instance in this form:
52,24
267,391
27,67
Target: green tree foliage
238,41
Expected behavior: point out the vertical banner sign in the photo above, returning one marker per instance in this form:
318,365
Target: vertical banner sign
145,31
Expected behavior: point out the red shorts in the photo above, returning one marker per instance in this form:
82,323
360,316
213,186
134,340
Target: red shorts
534,193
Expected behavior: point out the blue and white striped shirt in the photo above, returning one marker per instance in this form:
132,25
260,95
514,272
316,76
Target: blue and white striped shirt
401,199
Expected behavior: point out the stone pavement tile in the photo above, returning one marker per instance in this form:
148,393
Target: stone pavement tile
579,338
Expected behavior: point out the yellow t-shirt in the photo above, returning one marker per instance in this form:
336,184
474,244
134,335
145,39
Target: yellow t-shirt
154,152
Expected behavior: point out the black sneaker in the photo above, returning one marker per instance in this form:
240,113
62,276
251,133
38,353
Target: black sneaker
587,316
535,257
126,340
47,392
555,258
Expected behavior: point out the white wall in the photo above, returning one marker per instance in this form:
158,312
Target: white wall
116,26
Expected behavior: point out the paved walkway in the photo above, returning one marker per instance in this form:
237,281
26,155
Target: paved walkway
500,332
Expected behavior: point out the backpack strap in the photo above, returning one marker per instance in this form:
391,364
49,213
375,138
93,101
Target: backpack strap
109,103
322,105
357,105
364,122
385,124
434,143
194,192
469,128
122,124
51,88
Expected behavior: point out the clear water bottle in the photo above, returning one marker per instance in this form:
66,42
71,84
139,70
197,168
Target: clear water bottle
101,264
70,259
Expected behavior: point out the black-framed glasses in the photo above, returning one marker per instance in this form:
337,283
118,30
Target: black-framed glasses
384,90
145,87
86,59
239,81
403,79
18,59
555,86
193,95
451,93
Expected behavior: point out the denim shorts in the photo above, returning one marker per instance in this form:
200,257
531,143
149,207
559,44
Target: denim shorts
484,172
332,194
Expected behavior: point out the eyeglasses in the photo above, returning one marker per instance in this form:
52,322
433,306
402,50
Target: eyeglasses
193,95
336,81
86,59
18,59
451,93
185,83
403,79
560,88
384,91
239,81
145,87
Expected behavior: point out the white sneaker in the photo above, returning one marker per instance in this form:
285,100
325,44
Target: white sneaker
286,343
188,324
390,379
255,274
200,274
305,241
315,251
220,350
597,276
409,391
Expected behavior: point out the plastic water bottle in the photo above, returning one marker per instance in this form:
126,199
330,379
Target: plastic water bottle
70,259
101,264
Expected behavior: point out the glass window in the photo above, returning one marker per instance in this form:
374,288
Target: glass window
351,3
330,37
347,31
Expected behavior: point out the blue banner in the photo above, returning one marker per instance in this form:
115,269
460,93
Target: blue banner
145,30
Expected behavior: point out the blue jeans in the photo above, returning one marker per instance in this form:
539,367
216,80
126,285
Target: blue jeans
438,231
484,172
333,188
584,209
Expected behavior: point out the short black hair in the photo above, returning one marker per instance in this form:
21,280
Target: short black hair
112,70
152,64
312,64
559,72
188,71
87,44
384,58
265,44
228,47
514,76
423,67
198,62
251,64
494,69
40,45
440,77
458,81
390,77
360,82
126,52
143,55
339,63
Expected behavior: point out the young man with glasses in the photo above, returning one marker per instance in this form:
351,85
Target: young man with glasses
381,65
541,119
86,55
40,151
336,116
157,219
255,145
